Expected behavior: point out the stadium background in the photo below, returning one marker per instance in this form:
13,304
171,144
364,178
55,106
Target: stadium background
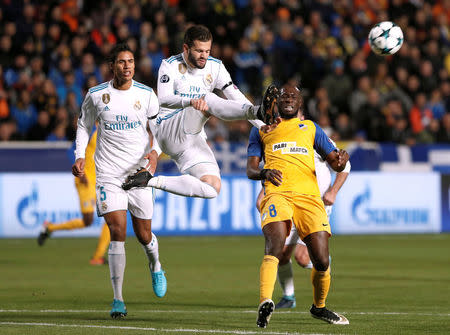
390,113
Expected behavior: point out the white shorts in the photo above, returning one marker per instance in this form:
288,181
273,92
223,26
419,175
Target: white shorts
181,136
139,201
293,237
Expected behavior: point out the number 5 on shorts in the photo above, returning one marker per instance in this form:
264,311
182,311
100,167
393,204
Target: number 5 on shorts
102,194
272,211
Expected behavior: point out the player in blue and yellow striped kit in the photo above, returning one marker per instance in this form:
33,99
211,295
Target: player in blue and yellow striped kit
292,197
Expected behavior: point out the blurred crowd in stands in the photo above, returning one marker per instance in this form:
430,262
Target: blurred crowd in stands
51,52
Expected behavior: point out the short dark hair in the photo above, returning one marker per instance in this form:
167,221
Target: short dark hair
197,33
118,48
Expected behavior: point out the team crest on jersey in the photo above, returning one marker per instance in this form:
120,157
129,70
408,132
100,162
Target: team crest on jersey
104,206
164,78
106,98
289,148
208,79
137,105
182,68
302,126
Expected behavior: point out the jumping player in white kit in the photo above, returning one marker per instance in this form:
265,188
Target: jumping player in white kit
185,85
122,108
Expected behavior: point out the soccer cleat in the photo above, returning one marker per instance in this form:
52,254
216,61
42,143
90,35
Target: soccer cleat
139,179
286,302
266,111
98,261
159,283
265,311
44,234
118,310
328,316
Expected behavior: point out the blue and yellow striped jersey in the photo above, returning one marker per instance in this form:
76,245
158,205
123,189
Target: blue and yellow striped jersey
290,149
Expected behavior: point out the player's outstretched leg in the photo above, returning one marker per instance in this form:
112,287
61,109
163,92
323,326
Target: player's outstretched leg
266,111
265,311
44,234
139,179
286,302
118,309
328,316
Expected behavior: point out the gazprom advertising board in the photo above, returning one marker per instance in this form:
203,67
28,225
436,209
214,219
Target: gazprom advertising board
367,203
27,199
389,203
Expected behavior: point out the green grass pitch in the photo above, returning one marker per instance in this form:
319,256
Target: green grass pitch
396,284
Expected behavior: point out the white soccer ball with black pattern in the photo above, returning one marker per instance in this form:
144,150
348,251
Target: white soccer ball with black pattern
385,38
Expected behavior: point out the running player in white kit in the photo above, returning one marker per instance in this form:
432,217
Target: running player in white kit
185,85
122,108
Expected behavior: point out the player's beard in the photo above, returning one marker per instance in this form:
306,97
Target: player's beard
193,61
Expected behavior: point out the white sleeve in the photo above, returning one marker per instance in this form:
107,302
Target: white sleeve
153,106
85,124
166,90
348,167
232,92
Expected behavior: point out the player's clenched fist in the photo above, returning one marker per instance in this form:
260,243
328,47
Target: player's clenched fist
78,167
343,158
200,104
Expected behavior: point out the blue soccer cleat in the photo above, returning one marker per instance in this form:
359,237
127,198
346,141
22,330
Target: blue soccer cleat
118,310
286,302
159,283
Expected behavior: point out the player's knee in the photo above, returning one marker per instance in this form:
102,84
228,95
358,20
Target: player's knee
302,258
211,187
210,192
322,263
284,258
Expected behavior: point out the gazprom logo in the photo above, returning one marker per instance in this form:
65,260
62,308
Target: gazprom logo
365,213
30,215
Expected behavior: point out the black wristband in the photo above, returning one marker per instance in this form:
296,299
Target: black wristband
263,173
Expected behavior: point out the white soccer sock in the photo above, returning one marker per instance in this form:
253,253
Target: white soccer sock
286,278
117,260
185,185
152,252
229,110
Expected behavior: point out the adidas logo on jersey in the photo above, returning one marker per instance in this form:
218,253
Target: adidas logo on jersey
106,109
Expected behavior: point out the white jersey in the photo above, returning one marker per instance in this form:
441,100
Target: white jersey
178,83
323,173
122,139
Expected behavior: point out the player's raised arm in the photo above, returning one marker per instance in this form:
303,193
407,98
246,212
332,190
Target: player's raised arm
337,159
84,128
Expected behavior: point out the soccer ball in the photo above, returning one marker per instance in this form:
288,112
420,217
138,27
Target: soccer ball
385,38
